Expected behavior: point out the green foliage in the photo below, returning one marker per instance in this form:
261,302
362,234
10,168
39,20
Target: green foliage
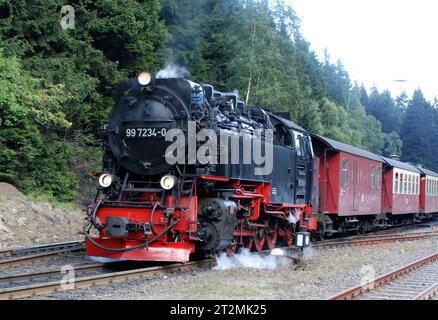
111,40
56,85
393,144
256,48
383,107
419,132
28,158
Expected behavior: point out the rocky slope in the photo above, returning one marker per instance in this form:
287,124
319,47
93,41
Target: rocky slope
28,222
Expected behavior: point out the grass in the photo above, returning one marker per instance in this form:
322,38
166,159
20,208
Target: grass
72,205
44,198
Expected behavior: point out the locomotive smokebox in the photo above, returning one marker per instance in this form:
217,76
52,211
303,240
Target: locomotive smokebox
141,119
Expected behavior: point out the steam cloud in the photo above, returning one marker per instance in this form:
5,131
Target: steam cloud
171,70
245,259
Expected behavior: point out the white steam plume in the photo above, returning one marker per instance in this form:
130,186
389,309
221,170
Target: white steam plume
245,259
171,70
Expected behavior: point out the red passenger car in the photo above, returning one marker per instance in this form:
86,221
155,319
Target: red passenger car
401,192
350,186
428,192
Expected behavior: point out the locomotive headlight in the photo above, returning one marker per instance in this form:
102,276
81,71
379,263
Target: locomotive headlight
106,180
167,182
145,78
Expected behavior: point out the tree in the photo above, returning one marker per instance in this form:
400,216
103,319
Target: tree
29,158
419,132
382,107
364,99
393,145
337,81
112,40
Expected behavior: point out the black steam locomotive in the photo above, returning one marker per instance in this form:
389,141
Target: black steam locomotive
189,170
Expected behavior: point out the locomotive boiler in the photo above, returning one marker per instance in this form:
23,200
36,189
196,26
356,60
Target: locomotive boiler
189,170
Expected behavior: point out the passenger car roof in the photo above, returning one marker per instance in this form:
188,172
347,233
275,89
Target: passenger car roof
401,165
428,172
339,146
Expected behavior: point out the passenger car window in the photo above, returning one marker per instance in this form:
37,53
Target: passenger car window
417,185
396,184
373,178
405,184
379,178
345,173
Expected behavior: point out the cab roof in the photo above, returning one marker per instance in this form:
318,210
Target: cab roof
290,124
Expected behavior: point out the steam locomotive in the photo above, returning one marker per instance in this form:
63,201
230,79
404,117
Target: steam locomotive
188,170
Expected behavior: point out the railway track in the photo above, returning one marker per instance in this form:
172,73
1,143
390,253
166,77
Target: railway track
415,281
375,239
49,281
47,274
20,256
47,287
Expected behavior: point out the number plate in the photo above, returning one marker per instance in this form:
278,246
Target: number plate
145,132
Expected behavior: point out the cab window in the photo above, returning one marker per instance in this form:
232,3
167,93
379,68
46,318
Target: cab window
298,145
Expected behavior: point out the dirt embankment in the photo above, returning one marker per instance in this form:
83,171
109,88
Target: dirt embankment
25,222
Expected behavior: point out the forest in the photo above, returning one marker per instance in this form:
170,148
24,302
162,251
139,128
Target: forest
56,84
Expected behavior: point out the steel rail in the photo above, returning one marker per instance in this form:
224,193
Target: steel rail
101,279
375,240
21,256
7,252
429,293
359,290
11,279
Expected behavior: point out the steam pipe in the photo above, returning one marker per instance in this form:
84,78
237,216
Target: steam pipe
152,219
